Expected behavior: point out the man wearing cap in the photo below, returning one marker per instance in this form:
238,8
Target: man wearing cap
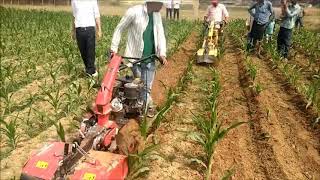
262,13
217,12
145,37
86,20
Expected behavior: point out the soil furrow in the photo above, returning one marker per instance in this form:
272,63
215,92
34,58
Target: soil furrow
272,169
236,150
168,77
296,99
177,149
294,145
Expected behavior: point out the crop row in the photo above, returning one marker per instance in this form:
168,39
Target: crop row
41,70
310,89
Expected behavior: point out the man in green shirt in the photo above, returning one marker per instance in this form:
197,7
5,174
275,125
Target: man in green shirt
145,37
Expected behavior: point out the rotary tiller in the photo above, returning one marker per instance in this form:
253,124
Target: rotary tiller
94,154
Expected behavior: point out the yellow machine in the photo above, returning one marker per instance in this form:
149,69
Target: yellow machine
208,53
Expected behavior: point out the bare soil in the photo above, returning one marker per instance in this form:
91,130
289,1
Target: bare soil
278,143
285,127
176,148
168,76
237,150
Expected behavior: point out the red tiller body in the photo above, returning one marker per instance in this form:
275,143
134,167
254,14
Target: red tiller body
55,161
103,107
44,163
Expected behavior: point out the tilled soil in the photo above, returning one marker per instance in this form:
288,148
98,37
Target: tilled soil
236,151
176,148
168,76
295,146
277,143
282,145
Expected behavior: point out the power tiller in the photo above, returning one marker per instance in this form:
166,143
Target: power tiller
208,52
95,154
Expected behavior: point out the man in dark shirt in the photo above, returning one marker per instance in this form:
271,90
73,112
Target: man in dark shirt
262,12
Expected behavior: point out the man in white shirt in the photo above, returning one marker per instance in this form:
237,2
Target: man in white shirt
217,12
176,8
86,20
145,37
169,7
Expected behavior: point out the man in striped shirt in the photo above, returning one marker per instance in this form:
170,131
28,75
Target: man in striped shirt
145,37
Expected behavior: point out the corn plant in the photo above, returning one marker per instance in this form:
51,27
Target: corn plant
10,131
60,130
294,75
171,98
144,128
10,71
54,73
55,99
74,98
312,92
210,129
7,98
252,69
138,163
222,46
257,88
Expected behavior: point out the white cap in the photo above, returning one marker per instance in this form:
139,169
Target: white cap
161,1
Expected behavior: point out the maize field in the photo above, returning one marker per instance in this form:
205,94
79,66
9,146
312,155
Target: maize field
243,117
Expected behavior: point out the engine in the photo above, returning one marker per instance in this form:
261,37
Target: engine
127,100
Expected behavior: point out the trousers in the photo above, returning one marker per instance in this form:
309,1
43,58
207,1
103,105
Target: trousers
169,13
86,40
146,72
176,13
284,41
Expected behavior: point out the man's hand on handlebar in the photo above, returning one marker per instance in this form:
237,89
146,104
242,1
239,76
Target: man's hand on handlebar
110,54
163,60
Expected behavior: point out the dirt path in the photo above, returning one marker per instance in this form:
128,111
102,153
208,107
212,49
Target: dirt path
168,76
295,147
278,144
175,146
236,151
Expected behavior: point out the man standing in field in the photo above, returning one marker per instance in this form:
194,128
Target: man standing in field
145,37
262,13
86,23
176,9
299,21
289,15
169,6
